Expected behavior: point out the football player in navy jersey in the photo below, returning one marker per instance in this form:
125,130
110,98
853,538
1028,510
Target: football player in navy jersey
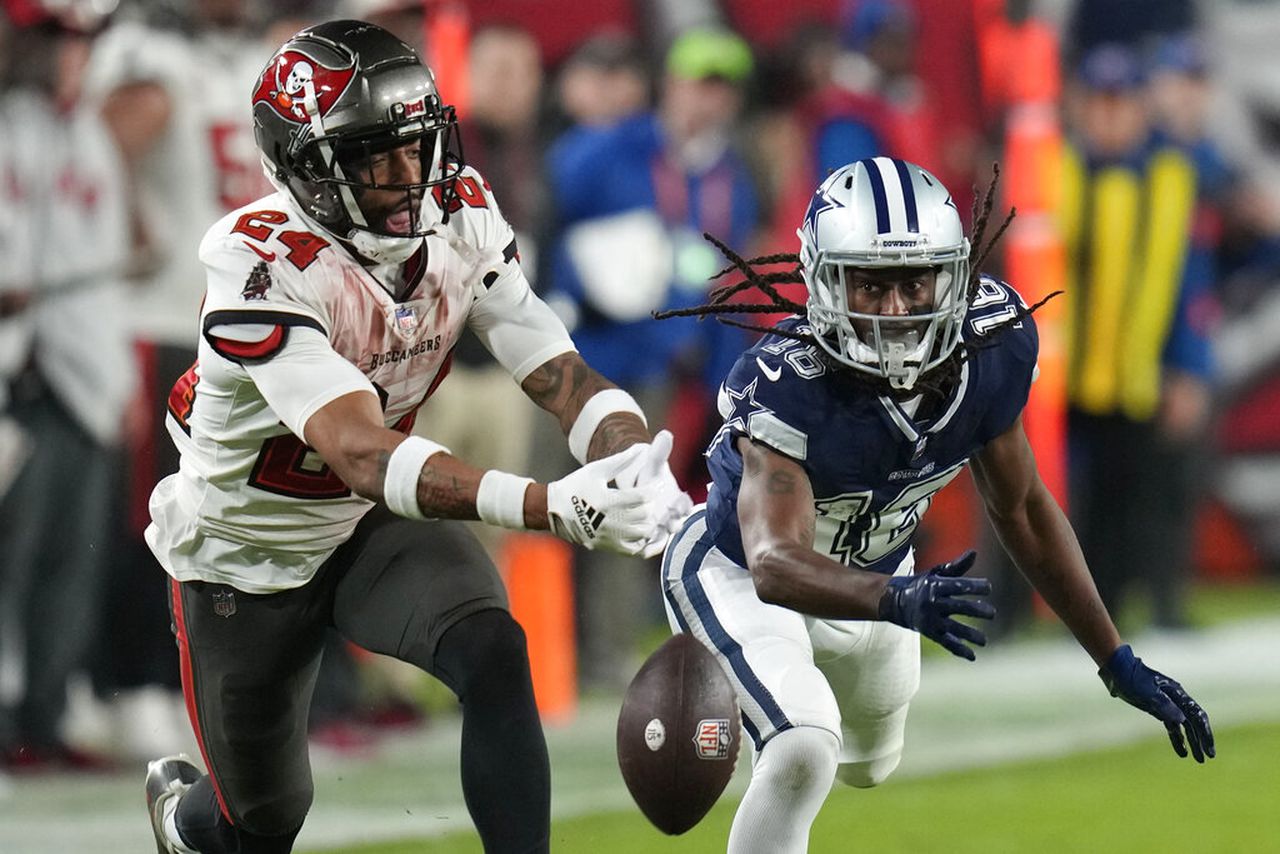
840,425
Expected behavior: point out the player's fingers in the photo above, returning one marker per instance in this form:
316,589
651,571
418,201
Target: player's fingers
654,547
628,501
632,526
979,608
1165,709
962,587
971,634
957,567
1193,741
955,646
1175,738
1199,733
609,467
656,457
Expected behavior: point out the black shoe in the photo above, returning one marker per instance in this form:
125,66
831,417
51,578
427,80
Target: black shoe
167,779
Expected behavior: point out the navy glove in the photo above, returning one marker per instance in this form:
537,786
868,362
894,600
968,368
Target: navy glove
1128,678
926,602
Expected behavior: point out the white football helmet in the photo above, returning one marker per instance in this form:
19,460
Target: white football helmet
882,212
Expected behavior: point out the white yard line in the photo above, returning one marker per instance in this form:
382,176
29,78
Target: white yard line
1021,701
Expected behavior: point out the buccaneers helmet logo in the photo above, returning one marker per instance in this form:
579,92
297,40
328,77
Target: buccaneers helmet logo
285,81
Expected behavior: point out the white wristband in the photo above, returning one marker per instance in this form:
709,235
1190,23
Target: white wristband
500,499
400,486
601,405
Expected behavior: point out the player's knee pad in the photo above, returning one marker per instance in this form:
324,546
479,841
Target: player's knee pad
797,762
484,649
868,773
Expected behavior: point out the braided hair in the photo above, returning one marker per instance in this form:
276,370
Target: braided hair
937,382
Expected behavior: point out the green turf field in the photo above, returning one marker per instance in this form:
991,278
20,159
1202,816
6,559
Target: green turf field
1022,751
1140,798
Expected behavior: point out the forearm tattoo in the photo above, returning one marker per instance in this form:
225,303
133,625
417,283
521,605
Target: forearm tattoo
615,433
444,495
564,385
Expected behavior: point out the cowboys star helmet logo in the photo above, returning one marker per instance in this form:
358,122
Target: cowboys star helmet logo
285,82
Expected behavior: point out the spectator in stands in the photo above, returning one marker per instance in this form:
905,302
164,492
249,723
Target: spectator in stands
1182,89
602,82
633,201
62,253
172,93
1139,368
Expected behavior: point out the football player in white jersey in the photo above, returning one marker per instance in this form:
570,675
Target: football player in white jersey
302,503
840,425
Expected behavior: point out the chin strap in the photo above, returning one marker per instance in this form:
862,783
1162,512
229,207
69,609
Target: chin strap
383,250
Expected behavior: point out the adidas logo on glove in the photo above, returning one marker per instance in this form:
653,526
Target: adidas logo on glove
589,517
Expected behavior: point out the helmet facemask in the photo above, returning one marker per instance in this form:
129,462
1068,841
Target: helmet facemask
371,192
898,348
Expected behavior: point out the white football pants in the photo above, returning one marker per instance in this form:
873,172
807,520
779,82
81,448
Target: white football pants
853,678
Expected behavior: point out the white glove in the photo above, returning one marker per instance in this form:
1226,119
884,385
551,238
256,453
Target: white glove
668,505
585,509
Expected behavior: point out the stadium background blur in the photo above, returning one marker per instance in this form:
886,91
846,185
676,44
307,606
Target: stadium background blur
756,99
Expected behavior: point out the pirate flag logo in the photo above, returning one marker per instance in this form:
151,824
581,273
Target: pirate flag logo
284,84
258,283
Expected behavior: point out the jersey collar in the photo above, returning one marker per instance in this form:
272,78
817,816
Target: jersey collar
913,430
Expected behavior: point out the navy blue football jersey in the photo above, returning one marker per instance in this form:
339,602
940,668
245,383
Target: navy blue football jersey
874,468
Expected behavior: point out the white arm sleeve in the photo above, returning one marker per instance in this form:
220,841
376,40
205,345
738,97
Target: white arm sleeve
303,376
520,330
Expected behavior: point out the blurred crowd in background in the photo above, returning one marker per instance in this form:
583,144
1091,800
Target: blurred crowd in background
615,134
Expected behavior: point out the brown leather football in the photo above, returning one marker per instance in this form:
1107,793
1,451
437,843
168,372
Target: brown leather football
678,734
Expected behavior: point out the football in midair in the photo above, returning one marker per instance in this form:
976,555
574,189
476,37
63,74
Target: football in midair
678,734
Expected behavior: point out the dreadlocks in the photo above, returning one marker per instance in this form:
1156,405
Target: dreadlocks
937,382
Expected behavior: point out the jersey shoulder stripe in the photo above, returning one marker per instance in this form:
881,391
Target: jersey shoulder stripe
250,352
254,352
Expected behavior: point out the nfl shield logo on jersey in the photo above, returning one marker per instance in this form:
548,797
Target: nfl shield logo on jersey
224,603
406,318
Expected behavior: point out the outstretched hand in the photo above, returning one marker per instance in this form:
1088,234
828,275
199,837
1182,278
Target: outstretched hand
1128,678
668,504
926,602
587,508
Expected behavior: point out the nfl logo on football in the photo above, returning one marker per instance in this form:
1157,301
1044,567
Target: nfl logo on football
712,739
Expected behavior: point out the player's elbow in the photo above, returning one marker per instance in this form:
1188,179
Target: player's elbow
769,574
358,465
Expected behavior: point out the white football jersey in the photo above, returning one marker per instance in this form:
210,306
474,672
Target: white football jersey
291,321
